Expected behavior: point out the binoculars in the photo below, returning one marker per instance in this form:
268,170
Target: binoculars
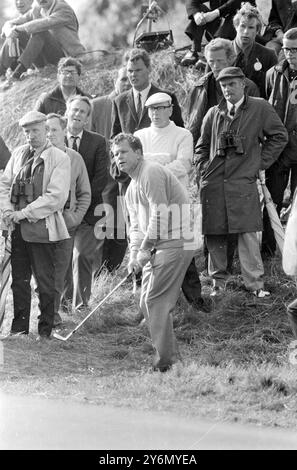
22,189
227,140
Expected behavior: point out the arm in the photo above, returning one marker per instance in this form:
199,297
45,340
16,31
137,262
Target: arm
202,148
74,217
182,165
56,193
276,136
274,21
59,17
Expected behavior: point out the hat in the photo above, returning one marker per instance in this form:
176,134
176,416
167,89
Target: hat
231,72
158,98
31,117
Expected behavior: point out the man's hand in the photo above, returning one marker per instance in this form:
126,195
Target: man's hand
133,266
15,217
143,257
279,35
199,19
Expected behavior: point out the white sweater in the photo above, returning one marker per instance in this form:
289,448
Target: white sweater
171,146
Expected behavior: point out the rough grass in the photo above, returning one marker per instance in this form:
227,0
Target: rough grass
234,359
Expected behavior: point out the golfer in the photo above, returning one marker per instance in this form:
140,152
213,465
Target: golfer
158,206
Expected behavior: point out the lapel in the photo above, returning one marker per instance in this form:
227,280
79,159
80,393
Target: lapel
84,144
131,105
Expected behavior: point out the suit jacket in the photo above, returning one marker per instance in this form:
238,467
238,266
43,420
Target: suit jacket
124,116
54,101
93,150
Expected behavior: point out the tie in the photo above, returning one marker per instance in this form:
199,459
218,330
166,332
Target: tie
74,144
232,111
139,106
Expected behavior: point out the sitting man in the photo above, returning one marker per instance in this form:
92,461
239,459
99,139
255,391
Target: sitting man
215,21
76,206
54,101
153,193
282,17
12,48
239,137
33,191
52,31
172,146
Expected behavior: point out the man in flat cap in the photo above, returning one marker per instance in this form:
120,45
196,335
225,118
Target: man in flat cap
171,146
33,191
239,137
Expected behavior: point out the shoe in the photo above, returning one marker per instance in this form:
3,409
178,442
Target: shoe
261,293
42,338
190,58
216,291
57,320
162,368
14,334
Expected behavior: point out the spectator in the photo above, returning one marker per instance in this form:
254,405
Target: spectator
239,137
52,30
87,253
12,48
253,58
33,191
215,21
75,208
153,190
68,76
282,91
115,242
282,17
172,146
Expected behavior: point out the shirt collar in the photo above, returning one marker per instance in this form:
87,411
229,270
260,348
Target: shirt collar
144,93
69,135
230,105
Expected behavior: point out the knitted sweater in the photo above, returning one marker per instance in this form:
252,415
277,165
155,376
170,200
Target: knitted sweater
159,208
171,146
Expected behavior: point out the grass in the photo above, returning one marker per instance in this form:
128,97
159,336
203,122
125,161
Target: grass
235,363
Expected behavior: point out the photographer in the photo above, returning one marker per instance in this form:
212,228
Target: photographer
239,137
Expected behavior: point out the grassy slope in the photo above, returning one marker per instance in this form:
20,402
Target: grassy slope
235,359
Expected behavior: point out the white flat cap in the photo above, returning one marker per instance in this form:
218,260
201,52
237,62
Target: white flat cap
31,117
158,98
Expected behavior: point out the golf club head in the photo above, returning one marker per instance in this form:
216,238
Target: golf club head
61,338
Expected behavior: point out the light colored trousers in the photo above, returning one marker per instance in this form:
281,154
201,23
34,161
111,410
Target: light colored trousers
251,264
161,283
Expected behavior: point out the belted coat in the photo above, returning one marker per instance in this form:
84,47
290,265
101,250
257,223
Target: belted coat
229,194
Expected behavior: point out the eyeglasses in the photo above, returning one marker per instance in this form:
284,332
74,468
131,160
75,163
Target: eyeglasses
68,72
159,108
293,50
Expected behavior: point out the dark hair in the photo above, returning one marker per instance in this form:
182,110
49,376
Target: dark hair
66,61
291,34
248,12
133,141
136,54
62,119
85,99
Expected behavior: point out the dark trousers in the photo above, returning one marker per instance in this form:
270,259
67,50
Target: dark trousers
292,314
41,47
277,177
211,30
232,240
6,61
114,250
191,285
27,259
62,261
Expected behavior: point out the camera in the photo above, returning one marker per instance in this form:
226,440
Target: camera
227,140
24,189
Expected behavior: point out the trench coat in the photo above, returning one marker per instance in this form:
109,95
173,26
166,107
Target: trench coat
228,191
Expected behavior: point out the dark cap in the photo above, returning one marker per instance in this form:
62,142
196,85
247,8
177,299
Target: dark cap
231,72
31,117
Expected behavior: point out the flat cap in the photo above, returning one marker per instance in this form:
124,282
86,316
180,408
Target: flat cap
231,72
158,98
31,117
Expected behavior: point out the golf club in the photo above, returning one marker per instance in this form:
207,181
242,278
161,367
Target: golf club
65,338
